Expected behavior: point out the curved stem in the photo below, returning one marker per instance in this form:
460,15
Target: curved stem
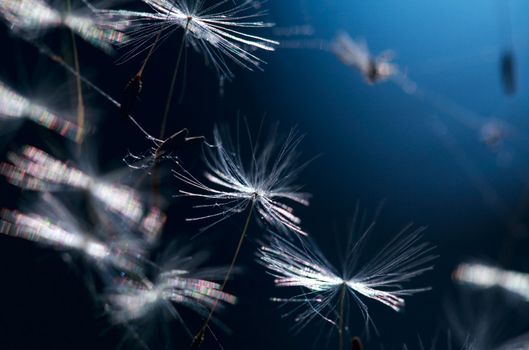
199,337
341,329
155,172
46,51
142,68
80,102
173,82
239,245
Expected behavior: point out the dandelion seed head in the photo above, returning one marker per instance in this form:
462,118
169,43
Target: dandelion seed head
355,53
380,279
266,181
218,35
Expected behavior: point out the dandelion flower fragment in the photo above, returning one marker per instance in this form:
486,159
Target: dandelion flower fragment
265,182
323,287
218,31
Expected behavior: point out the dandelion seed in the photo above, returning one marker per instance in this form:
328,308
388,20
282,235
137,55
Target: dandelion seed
14,106
161,150
30,17
179,282
492,133
36,170
130,95
355,54
135,300
485,321
507,56
379,279
485,276
218,35
508,72
267,181
66,236
260,186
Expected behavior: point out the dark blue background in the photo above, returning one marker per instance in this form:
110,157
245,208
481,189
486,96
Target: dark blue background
376,143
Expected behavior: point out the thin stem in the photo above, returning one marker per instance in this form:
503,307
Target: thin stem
239,245
43,49
142,68
80,102
155,172
341,329
199,337
173,81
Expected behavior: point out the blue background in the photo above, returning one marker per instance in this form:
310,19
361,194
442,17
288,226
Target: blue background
375,144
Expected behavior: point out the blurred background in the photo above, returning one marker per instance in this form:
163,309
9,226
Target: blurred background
425,155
